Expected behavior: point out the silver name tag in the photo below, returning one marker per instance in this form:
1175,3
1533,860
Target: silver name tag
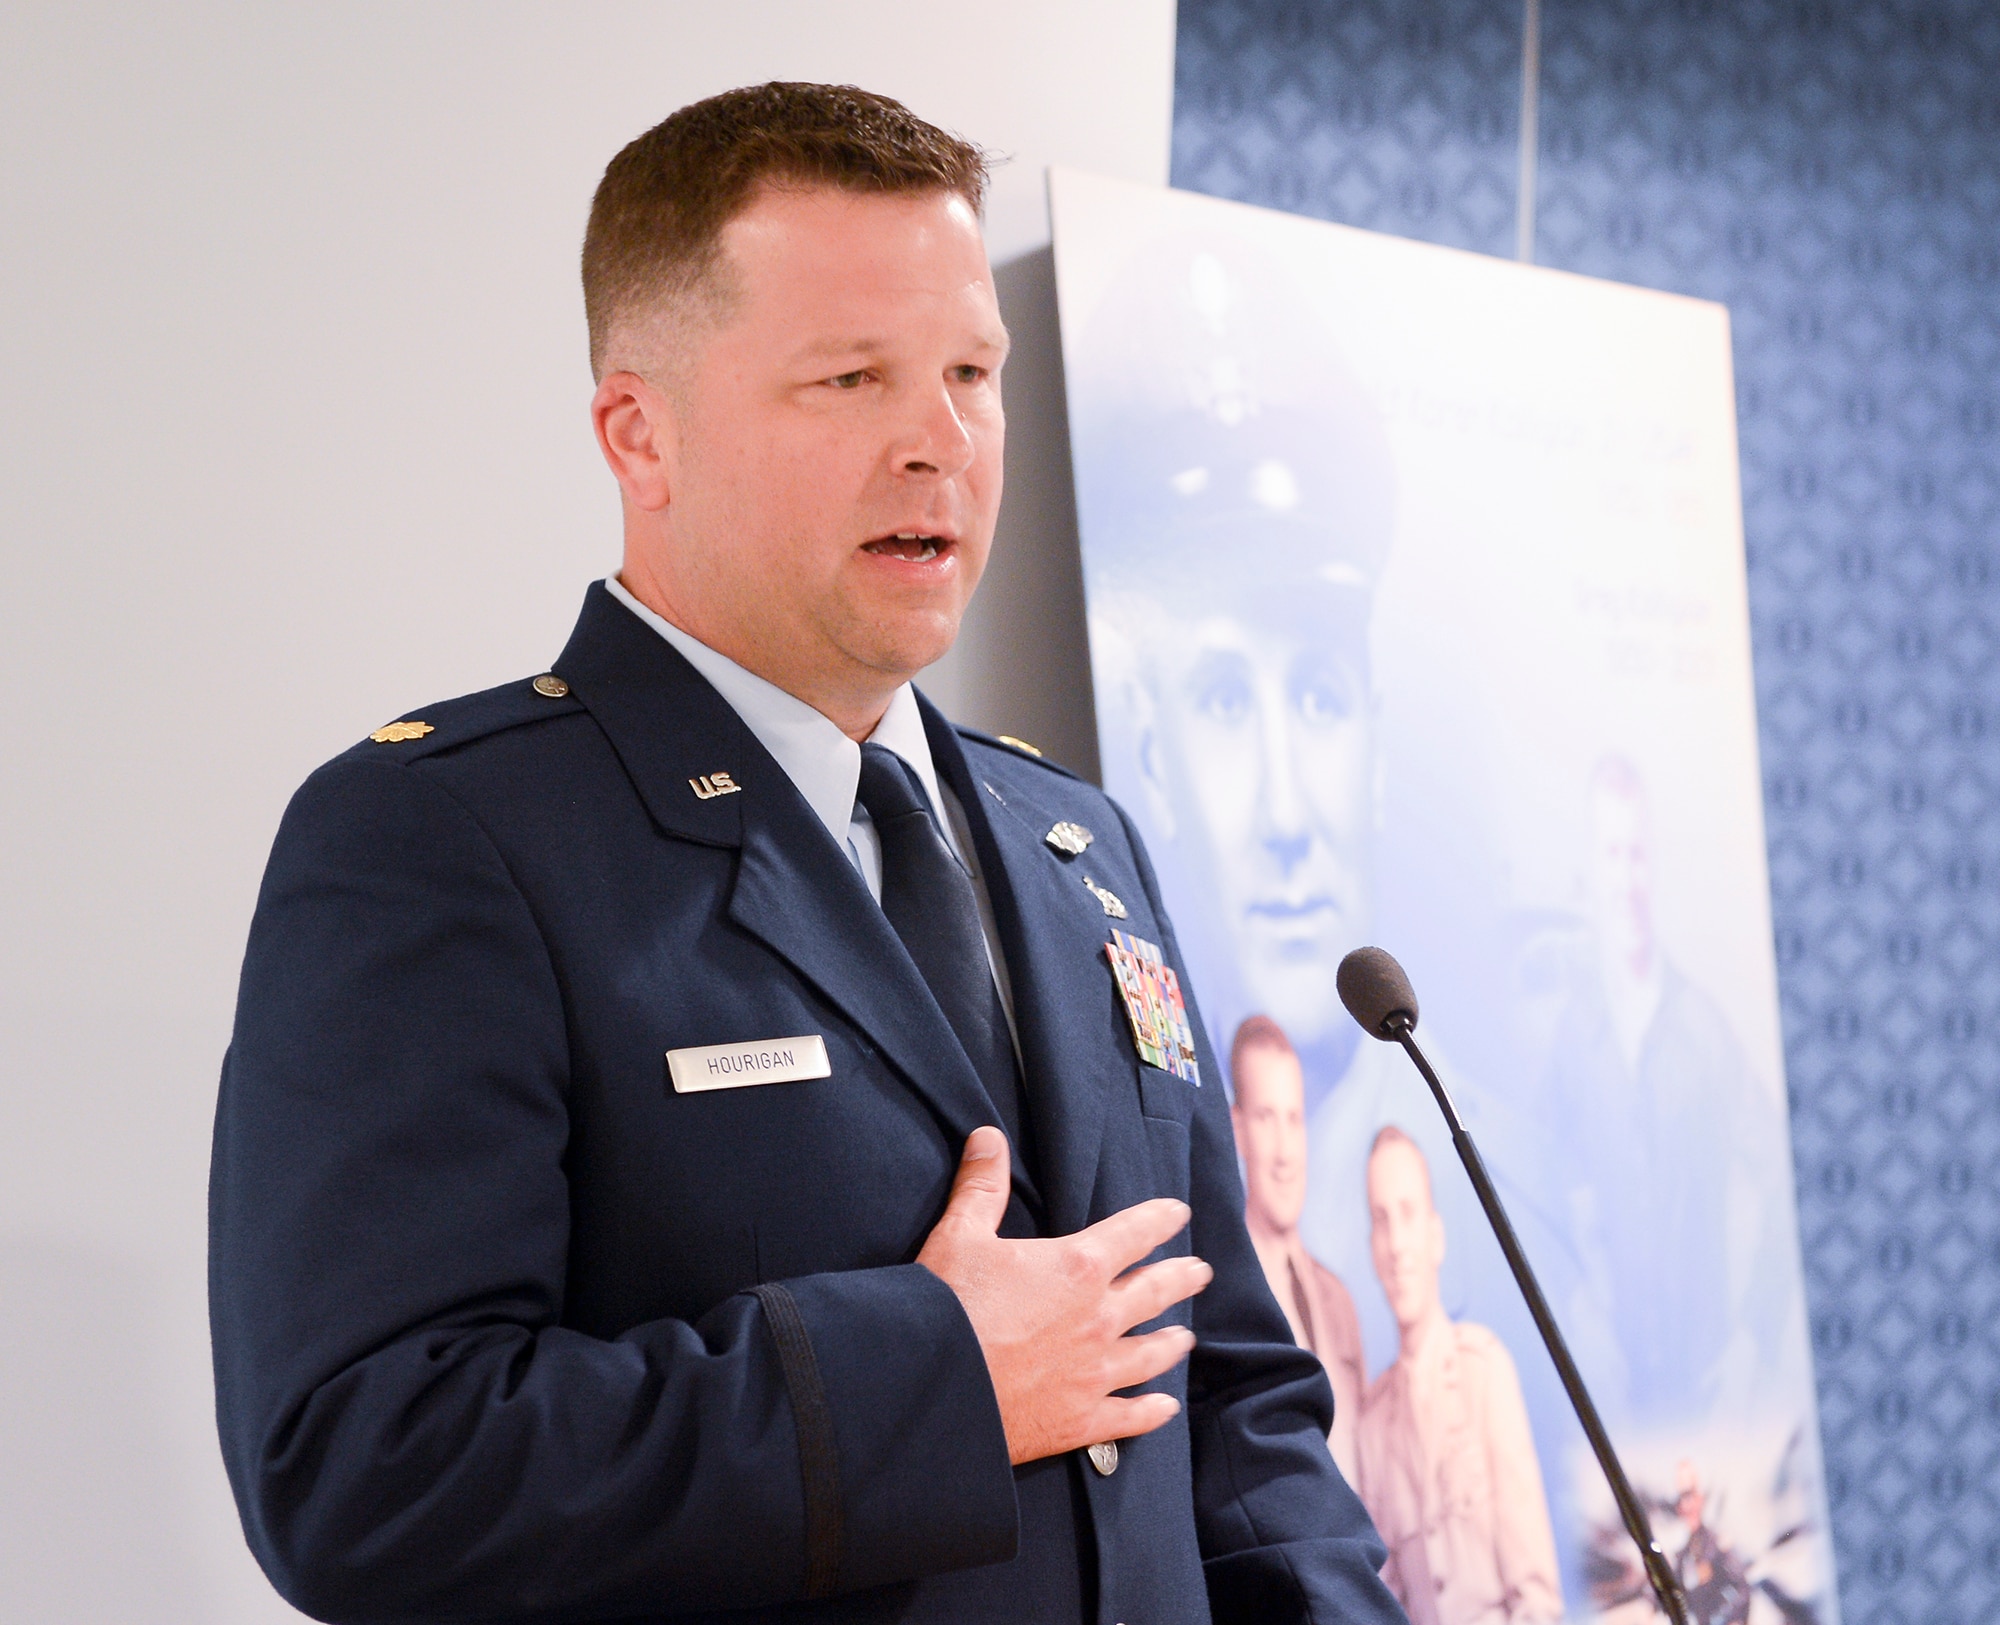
735,1066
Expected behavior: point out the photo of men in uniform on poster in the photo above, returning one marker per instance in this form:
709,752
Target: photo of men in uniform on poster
1267,1106
1416,607
1448,1466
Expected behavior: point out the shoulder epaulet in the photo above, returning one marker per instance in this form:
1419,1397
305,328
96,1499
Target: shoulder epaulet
1018,748
451,723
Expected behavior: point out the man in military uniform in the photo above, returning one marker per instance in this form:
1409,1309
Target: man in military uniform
1689,1211
1269,1111
681,1152
1448,1467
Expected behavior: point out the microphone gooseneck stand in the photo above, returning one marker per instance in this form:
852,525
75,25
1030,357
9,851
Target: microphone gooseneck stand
1377,973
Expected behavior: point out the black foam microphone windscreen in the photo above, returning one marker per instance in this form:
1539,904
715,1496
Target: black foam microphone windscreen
1375,990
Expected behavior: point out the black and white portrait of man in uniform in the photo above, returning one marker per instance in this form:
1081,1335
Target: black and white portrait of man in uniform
1235,506
1237,502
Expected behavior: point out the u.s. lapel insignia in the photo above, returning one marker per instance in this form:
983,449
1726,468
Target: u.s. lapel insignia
1110,901
397,733
1154,1009
711,785
1069,839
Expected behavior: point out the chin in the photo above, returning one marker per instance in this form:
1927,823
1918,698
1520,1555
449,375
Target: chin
908,643
1304,1007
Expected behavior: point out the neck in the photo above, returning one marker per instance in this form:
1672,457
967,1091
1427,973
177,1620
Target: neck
1264,1228
853,701
1418,1334
1327,1059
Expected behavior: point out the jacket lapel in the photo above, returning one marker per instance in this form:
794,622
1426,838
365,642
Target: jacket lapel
1054,939
800,895
669,728
794,889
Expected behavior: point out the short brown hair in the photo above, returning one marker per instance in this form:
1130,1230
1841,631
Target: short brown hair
1255,1033
1389,1134
656,222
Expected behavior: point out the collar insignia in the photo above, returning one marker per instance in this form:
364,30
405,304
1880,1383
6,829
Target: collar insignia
1069,839
1110,901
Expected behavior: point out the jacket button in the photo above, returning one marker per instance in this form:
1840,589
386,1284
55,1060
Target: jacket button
1104,1457
550,686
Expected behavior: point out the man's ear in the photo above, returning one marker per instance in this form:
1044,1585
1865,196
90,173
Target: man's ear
1144,709
640,437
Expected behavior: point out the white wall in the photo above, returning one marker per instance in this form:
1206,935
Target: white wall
293,381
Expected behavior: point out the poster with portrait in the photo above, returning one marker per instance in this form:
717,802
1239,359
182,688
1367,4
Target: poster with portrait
1417,617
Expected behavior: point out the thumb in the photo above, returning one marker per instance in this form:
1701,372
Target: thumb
984,1181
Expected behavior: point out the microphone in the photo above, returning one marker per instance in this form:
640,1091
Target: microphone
1379,997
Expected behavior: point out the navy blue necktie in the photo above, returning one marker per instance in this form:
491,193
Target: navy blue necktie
929,899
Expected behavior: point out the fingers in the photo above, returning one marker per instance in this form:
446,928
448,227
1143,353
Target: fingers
1130,1362
1134,1360
1128,1418
980,1189
1143,1294
1128,1236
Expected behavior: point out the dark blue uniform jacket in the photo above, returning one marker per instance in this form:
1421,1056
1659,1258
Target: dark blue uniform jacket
507,1329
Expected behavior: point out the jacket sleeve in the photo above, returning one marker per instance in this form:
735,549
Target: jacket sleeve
409,1429
1283,1536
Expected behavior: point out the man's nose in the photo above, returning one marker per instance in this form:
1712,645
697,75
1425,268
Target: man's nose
936,440
1287,831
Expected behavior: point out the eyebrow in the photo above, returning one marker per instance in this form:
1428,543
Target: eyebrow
828,349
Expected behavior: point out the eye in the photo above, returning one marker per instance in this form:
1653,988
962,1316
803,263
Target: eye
1325,695
1225,697
850,380
967,373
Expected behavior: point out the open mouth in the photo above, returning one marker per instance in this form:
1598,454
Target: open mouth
915,547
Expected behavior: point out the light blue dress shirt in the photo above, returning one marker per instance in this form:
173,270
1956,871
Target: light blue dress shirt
825,765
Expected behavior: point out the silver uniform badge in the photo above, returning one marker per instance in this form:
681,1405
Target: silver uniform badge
1069,838
1110,901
